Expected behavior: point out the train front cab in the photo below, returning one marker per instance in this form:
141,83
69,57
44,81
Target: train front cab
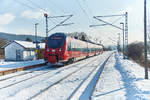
55,48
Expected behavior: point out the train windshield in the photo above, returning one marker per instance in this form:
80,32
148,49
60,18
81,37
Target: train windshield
56,41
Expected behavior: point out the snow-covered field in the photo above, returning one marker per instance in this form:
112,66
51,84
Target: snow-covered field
120,80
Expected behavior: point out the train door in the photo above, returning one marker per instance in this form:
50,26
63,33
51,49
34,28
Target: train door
69,48
87,50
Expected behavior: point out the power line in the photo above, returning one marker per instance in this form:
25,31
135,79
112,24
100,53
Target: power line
30,7
36,5
54,5
24,4
57,7
90,11
84,11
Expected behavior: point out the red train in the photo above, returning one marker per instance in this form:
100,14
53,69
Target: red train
62,48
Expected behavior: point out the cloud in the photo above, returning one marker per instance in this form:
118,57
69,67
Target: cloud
32,14
6,18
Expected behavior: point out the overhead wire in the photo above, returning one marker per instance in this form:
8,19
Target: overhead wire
36,5
43,10
87,15
57,7
21,3
83,10
30,7
90,11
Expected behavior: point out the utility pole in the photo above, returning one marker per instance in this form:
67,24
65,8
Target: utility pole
46,18
145,41
123,39
126,34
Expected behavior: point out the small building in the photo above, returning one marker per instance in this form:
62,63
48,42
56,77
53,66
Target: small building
21,50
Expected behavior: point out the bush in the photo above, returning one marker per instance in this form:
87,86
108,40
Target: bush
40,53
135,51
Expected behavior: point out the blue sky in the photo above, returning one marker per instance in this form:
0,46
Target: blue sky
19,16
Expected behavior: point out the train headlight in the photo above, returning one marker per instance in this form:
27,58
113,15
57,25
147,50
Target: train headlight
60,49
53,50
47,49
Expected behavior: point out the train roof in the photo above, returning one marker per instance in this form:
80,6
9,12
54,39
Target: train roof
58,34
66,35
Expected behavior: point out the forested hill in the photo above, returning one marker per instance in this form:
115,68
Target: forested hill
9,37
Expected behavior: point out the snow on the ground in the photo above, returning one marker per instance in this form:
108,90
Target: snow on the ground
11,65
122,80
69,86
3,62
27,89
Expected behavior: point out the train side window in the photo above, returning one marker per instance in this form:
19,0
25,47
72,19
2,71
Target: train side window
72,47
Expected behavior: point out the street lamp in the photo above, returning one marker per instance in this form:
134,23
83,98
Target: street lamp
36,34
36,39
118,42
123,39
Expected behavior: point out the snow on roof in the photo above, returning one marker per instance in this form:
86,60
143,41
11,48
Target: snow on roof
42,45
27,44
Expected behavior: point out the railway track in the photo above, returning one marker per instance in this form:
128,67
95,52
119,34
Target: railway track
23,73
59,69
77,89
44,81
87,86
58,81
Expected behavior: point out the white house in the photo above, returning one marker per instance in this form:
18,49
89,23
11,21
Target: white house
21,50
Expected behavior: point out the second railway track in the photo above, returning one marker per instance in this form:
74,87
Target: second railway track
50,69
